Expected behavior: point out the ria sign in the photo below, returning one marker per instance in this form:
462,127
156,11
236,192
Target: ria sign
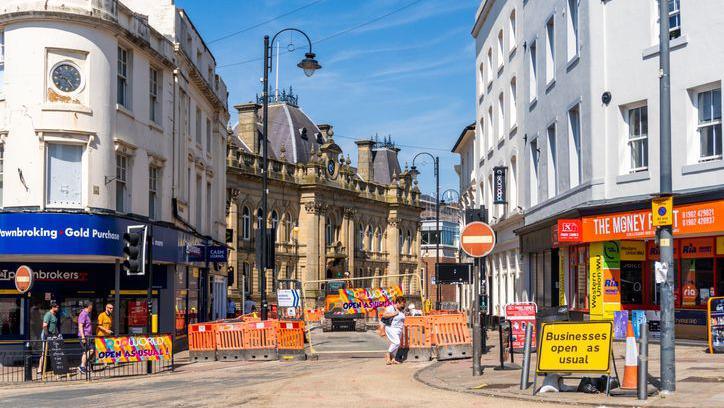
569,230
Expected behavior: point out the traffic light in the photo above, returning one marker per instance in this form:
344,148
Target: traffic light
134,250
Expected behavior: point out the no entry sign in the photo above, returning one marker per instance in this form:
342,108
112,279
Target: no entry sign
23,279
477,239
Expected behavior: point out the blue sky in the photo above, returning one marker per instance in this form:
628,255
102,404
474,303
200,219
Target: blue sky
409,75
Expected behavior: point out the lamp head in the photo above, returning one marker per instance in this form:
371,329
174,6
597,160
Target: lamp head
309,64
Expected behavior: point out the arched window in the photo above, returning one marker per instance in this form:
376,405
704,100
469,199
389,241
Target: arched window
378,238
258,219
246,272
409,242
274,220
329,232
289,227
246,223
361,238
402,242
369,238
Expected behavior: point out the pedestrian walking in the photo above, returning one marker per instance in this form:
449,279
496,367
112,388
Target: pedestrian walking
50,330
105,322
85,332
231,309
394,320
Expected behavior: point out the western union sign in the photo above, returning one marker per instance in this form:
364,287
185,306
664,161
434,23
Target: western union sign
575,347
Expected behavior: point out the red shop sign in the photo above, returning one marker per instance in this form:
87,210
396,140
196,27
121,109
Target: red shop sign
521,315
569,230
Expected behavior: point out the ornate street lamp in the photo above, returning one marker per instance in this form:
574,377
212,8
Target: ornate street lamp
309,64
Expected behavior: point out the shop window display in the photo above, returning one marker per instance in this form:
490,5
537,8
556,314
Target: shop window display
10,318
697,281
632,282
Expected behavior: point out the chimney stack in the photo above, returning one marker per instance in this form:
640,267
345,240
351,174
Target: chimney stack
365,159
247,128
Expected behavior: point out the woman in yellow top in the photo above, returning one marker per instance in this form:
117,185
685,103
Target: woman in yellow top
105,321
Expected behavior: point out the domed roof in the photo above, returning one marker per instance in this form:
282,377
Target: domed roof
290,127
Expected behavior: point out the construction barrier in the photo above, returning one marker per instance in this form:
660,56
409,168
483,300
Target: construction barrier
416,342
313,315
290,340
259,340
202,342
229,341
451,336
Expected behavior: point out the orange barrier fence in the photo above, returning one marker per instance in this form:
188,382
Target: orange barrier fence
259,340
416,339
228,341
313,315
290,340
451,335
202,341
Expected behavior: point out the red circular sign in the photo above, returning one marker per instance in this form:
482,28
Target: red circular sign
23,279
477,239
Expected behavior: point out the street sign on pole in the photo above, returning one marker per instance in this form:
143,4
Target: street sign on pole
477,239
662,211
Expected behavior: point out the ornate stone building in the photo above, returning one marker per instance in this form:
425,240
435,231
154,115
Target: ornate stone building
331,220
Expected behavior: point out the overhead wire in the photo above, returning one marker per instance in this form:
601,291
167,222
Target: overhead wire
243,30
337,34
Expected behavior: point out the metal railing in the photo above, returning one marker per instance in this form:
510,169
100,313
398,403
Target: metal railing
32,361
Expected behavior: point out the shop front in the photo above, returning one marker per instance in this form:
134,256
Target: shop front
76,258
611,265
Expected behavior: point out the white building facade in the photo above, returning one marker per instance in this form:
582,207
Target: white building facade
111,114
498,142
588,147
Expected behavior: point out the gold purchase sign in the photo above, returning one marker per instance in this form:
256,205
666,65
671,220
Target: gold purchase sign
575,347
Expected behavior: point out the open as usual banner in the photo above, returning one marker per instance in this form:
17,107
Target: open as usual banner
133,348
363,299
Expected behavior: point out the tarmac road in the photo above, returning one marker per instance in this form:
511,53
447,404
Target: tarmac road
325,383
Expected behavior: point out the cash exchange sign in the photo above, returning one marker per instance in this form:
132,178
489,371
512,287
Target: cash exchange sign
126,349
575,347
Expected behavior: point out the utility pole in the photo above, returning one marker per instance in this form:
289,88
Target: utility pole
666,239
264,180
438,288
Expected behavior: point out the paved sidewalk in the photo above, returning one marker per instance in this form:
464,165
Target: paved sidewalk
700,379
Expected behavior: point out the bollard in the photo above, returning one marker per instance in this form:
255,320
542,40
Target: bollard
526,357
28,362
643,389
500,337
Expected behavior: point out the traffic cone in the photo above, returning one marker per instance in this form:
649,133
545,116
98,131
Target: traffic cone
631,368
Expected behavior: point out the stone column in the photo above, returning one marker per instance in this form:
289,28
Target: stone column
393,245
232,220
309,221
349,243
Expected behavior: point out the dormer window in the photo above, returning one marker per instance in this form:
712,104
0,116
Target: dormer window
319,137
303,133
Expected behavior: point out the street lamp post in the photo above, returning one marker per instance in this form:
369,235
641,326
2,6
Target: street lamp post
666,238
435,160
309,65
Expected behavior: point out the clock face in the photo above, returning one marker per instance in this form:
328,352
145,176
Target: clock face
331,166
66,77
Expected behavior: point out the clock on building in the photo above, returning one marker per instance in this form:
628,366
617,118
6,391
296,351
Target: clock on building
66,77
331,167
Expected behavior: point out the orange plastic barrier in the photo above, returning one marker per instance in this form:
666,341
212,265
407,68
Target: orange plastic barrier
290,340
451,335
259,340
228,341
416,339
313,315
202,341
